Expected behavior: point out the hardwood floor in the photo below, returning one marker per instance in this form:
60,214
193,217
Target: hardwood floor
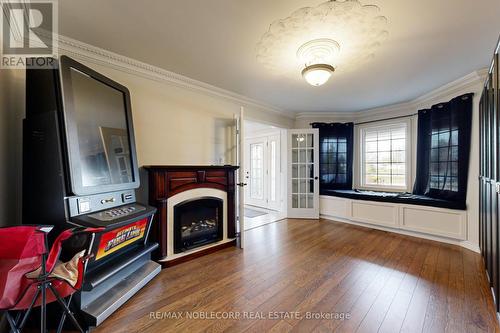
384,282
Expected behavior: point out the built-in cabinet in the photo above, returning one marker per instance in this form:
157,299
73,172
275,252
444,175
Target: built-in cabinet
437,223
489,178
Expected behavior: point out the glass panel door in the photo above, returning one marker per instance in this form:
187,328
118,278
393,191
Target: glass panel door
303,189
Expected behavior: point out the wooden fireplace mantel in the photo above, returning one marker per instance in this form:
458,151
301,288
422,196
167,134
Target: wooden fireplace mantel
166,181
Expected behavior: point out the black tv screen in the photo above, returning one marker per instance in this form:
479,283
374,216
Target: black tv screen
101,123
98,123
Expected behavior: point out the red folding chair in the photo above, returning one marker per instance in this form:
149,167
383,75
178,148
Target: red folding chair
24,250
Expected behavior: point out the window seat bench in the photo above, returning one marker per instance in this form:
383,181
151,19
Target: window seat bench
401,198
408,214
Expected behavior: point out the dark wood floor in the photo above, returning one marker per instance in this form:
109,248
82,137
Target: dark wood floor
384,282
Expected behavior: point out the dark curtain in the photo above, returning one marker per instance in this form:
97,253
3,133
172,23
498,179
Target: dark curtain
443,149
336,153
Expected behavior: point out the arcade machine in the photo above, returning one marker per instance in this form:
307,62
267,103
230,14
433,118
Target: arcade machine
80,169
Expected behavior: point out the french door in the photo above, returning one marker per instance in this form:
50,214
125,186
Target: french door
303,173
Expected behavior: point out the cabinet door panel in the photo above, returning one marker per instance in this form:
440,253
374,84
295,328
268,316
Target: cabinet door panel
494,238
489,240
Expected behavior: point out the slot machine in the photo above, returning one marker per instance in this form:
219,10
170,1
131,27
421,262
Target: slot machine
80,169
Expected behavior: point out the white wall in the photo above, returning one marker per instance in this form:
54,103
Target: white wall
469,83
173,125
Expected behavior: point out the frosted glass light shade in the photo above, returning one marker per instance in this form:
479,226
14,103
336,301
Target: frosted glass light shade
317,75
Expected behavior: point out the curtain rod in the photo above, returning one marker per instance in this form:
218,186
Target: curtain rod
391,118
375,121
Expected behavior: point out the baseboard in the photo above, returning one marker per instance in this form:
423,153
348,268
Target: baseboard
471,246
465,244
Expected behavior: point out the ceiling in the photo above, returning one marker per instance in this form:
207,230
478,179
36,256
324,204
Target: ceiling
430,43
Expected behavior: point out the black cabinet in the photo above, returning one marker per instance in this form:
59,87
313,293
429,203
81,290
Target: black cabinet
489,178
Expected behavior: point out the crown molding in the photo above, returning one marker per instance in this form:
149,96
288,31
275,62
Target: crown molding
131,66
468,81
128,65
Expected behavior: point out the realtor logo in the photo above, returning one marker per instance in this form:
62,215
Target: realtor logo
28,30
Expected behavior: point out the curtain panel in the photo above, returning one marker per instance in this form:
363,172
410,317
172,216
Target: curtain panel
336,155
443,149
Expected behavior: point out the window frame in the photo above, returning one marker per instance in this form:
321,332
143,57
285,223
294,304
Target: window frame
359,164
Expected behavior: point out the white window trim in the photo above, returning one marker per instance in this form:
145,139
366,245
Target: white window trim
359,156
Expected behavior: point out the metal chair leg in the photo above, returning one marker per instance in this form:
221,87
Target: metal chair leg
28,311
66,308
43,309
63,316
18,317
13,327
17,326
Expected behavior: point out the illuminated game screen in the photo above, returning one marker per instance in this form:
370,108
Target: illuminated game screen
119,238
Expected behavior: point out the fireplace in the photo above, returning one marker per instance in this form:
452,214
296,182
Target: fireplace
197,222
189,194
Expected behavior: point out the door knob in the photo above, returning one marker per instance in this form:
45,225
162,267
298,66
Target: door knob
316,178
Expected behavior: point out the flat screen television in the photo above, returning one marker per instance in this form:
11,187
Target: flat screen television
99,131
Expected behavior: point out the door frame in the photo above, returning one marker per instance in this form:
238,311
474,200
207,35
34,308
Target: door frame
267,137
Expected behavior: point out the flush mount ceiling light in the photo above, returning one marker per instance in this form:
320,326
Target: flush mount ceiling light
318,74
317,55
336,34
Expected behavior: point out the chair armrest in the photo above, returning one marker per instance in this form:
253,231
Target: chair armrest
55,251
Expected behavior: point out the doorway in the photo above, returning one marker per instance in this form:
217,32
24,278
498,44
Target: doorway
265,171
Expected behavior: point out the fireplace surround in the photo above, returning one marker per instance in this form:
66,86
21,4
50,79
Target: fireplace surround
173,187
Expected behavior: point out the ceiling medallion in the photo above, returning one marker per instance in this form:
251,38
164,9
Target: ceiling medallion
338,35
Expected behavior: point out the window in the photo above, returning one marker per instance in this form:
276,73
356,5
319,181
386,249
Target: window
444,158
384,156
336,152
257,171
443,150
333,160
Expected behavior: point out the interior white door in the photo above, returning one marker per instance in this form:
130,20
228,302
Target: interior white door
240,177
256,172
303,173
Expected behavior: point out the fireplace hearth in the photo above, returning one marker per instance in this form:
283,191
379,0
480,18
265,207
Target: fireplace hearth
197,222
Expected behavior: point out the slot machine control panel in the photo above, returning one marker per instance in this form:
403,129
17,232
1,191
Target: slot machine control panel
105,206
118,212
